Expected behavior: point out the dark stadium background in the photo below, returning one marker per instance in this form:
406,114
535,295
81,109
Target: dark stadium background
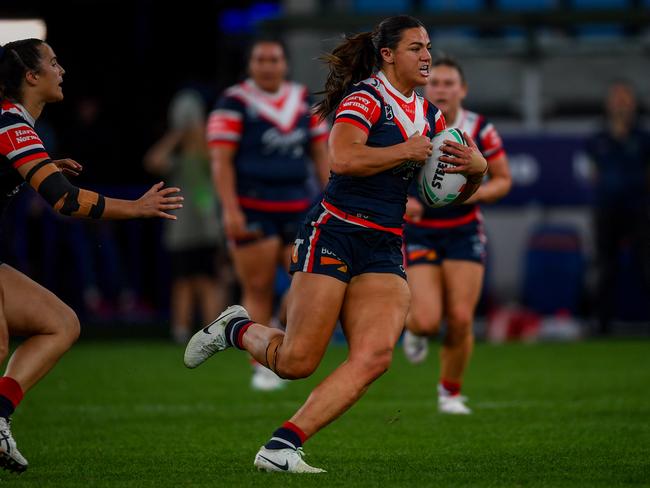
133,56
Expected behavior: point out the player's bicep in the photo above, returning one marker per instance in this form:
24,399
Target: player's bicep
222,154
345,137
44,177
36,171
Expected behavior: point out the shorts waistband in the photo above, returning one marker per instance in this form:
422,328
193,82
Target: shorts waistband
352,219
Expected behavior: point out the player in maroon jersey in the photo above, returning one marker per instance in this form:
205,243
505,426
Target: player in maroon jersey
31,77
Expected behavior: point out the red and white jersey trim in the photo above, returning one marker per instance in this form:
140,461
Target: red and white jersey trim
360,105
490,141
313,240
224,125
19,142
403,108
282,109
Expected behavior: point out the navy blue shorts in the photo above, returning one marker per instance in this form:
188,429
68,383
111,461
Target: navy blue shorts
327,245
269,224
432,246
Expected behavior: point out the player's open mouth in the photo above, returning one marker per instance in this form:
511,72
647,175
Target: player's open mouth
424,70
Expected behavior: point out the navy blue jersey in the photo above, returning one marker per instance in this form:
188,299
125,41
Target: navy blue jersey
272,134
489,143
19,144
622,168
388,117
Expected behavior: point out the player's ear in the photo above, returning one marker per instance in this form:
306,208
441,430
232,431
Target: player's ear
31,77
387,55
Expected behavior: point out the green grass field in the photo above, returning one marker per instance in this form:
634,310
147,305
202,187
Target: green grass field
130,414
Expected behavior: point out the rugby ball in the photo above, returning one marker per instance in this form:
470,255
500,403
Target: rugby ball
437,188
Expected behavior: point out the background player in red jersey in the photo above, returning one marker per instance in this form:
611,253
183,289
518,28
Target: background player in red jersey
446,246
263,139
348,254
30,77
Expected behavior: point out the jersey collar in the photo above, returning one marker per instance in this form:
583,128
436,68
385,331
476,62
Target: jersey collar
18,109
394,91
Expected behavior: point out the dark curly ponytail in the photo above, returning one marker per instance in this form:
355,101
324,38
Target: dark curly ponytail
357,57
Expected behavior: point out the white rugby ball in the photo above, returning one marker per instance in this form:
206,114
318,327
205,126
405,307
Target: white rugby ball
436,187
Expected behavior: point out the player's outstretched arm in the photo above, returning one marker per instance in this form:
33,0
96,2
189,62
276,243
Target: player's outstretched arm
46,177
156,202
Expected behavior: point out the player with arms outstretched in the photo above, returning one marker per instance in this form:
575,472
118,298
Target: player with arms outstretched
30,77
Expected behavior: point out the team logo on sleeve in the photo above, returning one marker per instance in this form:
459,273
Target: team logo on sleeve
389,112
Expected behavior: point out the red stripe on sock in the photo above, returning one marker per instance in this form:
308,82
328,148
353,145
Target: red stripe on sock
240,336
296,430
11,390
452,387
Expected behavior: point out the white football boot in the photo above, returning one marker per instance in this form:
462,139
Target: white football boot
416,348
265,380
10,457
212,338
453,404
283,461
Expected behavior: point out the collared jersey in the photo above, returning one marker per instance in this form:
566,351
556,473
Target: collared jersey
272,134
388,117
19,144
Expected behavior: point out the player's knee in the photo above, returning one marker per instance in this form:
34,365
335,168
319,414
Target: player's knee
258,287
69,326
375,364
459,328
296,366
295,370
422,323
460,318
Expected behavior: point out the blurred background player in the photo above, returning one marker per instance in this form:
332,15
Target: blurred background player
348,254
30,77
445,247
263,138
620,153
182,155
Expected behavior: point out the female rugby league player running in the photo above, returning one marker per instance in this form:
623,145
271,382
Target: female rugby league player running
30,77
347,256
445,247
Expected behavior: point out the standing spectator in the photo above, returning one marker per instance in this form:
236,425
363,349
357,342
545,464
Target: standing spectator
620,153
182,155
